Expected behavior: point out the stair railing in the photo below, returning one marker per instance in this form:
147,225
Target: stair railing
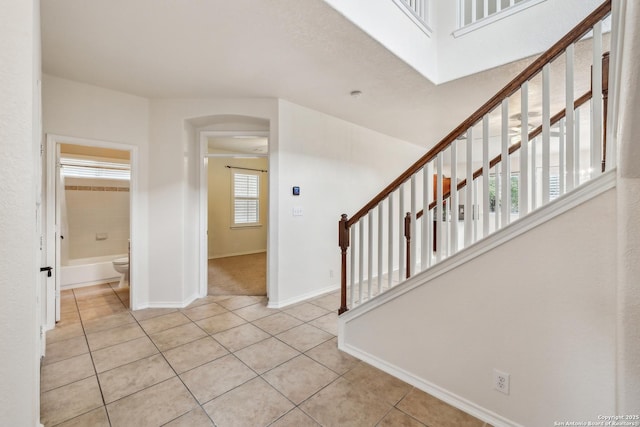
445,201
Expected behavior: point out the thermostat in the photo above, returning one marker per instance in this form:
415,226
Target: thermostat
296,191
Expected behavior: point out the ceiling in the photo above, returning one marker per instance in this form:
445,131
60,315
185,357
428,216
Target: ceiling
301,51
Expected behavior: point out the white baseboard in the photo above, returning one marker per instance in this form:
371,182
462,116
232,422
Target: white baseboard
90,283
303,297
238,254
430,388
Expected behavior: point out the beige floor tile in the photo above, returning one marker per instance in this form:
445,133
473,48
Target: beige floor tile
329,302
299,378
220,323
239,301
96,418
92,291
304,337
135,376
148,313
255,312
328,354
241,336
397,418
114,336
215,378
266,354
99,300
203,311
66,371
254,403
194,354
61,350
177,336
71,316
295,418
340,404
107,322
69,401
63,332
208,300
153,406
102,311
328,323
387,387
122,354
197,417
164,322
277,323
431,411
306,311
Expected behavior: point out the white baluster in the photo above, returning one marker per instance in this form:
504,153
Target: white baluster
426,197
439,209
534,173
475,212
596,102
468,192
485,175
576,153
390,243
428,213
453,198
523,191
506,166
570,127
561,159
414,238
546,133
401,240
474,11
370,255
380,244
352,272
361,259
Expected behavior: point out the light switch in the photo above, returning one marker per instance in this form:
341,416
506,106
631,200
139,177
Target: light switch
297,211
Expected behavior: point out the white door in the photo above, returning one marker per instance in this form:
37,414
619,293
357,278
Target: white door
51,292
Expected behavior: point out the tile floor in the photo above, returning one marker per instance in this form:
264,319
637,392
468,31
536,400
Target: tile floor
222,361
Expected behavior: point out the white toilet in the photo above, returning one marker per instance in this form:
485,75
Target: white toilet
121,265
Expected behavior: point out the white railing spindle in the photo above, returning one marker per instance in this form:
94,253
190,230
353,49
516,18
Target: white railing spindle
570,127
370,255
352,264
523,191
414,238
380,245
425,260
561,158
361,260
546,132
596,102
401,245
453,198
390,243
439,237
468,192
506,167
485,176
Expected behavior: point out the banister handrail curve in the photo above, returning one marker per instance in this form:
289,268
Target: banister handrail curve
527,74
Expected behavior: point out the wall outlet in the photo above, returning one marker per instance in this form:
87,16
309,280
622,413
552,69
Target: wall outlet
501,381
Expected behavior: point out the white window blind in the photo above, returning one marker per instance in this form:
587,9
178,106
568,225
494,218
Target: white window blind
246,194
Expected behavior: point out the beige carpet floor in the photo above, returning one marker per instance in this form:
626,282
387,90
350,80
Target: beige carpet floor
238,275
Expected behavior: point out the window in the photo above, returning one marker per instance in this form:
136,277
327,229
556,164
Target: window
246,194
96,169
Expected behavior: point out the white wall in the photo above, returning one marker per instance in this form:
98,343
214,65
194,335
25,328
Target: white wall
541,307
95,207
339,167
443,57
19,141
225,240
628,314
90,112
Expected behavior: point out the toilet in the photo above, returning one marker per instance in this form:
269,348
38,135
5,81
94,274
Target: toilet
121,265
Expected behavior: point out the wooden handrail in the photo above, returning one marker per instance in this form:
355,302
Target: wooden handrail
513,148
536,67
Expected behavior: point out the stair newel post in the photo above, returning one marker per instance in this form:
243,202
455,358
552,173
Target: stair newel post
343,242
407,235
605,102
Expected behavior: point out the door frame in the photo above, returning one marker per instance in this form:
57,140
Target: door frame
203,165
53,141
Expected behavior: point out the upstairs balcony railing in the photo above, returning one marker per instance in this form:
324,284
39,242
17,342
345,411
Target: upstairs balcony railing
475,13
417,11
541,136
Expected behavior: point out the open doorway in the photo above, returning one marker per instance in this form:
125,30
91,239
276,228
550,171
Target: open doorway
236,166
90,195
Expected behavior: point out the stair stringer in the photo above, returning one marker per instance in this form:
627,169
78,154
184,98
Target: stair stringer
497,415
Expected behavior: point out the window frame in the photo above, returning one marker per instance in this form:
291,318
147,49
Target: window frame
256,174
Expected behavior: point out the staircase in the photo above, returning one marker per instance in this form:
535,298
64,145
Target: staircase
544,135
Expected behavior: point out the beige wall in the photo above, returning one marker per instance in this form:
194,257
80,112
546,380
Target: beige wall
224,240
96,207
